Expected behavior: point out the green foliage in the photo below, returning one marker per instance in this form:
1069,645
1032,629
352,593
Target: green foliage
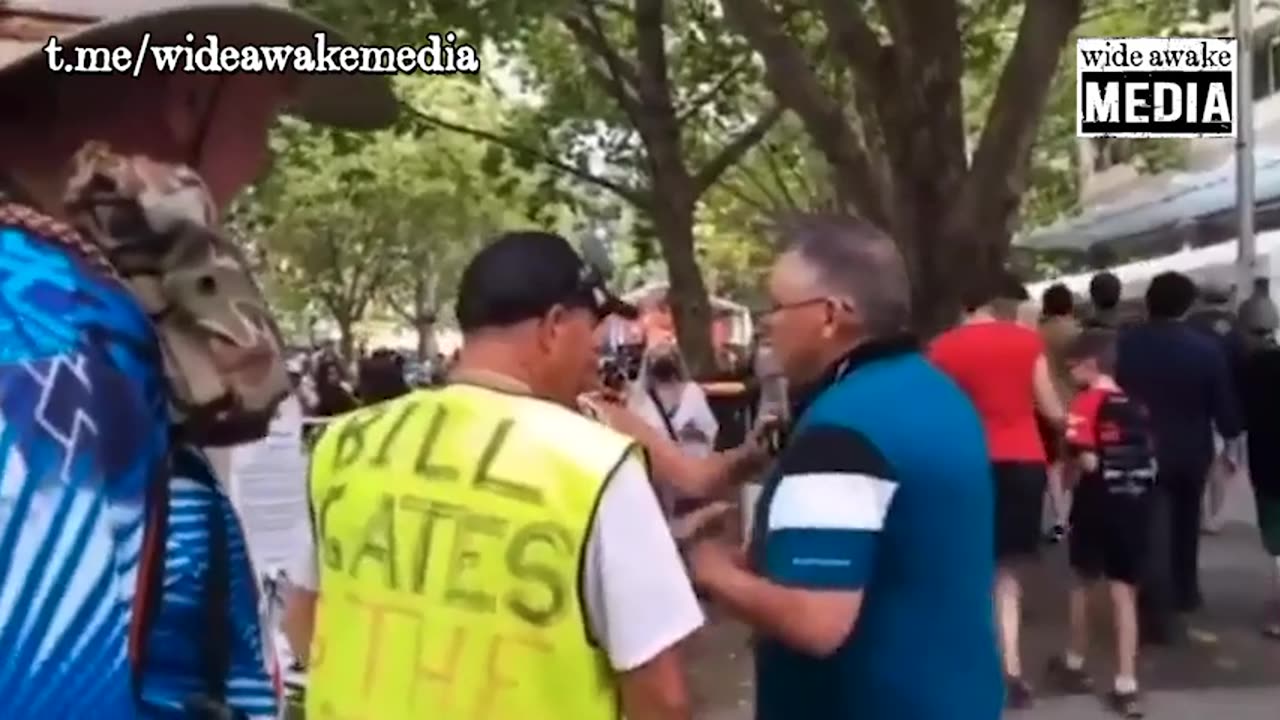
782,174
1054,187
353,225
645,100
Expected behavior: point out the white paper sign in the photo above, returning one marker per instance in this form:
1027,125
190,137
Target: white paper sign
268,485
267,482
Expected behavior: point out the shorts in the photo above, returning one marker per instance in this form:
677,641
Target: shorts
1019,508
1108,539
1269,522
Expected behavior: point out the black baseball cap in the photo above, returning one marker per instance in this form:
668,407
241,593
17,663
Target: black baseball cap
522,275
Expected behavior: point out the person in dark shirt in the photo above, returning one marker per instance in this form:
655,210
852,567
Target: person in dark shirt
1104,294
1182,377
381,377
1214,316
1109,439
1259,384
870,566
333,397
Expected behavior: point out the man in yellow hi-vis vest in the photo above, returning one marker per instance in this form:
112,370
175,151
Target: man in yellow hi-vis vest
485,551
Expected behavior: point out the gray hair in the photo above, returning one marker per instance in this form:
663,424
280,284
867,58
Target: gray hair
854,259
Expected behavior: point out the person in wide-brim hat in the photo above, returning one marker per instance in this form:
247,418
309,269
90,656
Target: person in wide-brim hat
356,101
134,335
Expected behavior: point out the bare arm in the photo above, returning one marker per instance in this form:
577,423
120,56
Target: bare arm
1088,461
640,604
813,621
1046,395
656,690
299,621
690,476
301,591
818,550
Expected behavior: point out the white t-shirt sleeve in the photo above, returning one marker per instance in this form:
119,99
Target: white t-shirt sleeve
639,598
303,566
700,412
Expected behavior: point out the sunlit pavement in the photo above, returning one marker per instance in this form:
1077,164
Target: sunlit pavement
1226,672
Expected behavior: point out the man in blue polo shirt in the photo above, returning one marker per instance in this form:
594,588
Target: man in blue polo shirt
871,565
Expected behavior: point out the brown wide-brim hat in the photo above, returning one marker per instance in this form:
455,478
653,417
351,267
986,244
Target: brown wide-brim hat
356,101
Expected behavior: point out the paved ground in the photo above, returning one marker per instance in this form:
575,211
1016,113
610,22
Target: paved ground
1228,671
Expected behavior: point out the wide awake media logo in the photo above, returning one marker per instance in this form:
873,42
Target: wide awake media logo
1156,87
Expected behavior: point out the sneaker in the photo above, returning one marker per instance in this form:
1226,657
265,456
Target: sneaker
1069,680
1126,704
1018,694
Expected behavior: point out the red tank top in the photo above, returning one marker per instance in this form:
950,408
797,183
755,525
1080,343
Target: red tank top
994,363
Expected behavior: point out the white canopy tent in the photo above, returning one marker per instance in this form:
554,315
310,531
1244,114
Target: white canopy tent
1215,264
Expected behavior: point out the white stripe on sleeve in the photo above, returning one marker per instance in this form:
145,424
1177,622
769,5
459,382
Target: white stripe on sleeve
831,501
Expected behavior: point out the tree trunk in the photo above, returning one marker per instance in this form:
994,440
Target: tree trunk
690,304
949,210
346,338
944,265
424,317
426,337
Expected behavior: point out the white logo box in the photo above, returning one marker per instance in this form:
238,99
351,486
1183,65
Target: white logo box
1156,87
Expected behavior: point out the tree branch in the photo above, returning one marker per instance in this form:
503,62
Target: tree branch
854,38
792,79
631,195
621,79
700,101
779,178
733,151
651,52
998,172
771,202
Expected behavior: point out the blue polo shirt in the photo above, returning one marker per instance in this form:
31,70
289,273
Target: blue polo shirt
885,487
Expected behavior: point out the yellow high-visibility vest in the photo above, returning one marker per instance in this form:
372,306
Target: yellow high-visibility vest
451,526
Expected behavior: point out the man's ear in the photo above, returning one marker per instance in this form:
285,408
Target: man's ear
551,325
841,314
188,99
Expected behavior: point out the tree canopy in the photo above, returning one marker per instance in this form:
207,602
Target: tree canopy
349,224
949,123
650,101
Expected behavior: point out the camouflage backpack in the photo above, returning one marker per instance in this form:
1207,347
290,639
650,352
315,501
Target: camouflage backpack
155,226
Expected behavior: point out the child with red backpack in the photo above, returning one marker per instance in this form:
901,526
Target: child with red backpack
1109,439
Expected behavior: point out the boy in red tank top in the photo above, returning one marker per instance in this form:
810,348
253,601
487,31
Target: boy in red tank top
1109,438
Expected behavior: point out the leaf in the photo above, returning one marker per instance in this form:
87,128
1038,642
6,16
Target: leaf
495,158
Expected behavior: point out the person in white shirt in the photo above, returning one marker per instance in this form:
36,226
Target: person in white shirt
668,400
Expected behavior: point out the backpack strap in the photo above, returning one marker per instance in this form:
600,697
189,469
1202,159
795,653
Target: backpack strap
149,587
216,640
662,412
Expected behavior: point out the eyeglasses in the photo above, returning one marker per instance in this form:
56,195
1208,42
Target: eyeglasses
775,308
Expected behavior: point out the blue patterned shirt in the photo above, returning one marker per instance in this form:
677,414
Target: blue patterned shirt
84,431
174,659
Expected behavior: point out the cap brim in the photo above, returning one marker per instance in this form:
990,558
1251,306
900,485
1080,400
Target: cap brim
353,101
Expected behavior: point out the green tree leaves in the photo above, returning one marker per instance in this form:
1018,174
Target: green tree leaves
352,226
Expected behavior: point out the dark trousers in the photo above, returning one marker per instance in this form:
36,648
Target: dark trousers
1171,581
